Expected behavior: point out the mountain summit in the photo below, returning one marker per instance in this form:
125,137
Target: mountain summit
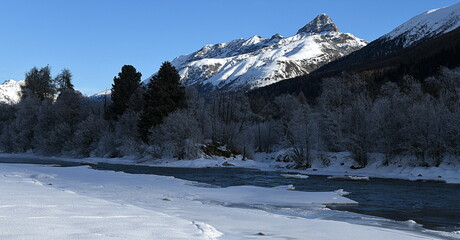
321,24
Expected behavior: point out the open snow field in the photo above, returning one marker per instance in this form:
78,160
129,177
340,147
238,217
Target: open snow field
42,202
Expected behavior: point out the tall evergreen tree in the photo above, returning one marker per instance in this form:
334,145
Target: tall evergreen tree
164,95
39,83
124,86
64,80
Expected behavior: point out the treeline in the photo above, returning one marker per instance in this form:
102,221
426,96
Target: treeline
164,119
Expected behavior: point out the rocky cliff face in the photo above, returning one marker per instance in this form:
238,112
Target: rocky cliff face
321,24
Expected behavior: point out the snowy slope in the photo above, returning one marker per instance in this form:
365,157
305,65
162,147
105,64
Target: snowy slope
258,61
427,25
101,96
33,210
10,91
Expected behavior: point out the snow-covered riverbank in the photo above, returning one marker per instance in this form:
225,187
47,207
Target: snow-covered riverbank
78,202
341,165
448,172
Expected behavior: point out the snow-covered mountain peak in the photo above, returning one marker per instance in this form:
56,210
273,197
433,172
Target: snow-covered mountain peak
321,24
427,25
10,91
9,82
253,40
276,36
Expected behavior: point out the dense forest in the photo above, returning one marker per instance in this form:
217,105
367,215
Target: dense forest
164,119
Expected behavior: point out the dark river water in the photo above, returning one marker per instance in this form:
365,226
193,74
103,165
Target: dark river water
434,205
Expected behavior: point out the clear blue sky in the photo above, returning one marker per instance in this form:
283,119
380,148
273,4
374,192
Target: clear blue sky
95,38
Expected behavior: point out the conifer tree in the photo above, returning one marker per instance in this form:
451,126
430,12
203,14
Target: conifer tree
124,86
163,96
64,80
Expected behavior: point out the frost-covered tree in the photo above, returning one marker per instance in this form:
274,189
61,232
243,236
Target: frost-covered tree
178,135
127,134
299,136
387,120
357,129
38,82
68,111
333,101
448,85
266,127
122,139
68,107
197,107
7,115
22,129
231,116
345,124
87,136
44,125
285,107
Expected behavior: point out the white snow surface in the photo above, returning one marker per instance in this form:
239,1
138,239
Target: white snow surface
301,176
351,178
101,94
42,202
428,24
10,91
30,209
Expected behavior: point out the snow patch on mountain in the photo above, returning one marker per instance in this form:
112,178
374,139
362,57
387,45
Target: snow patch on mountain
101,96
10,91
258,61
427,25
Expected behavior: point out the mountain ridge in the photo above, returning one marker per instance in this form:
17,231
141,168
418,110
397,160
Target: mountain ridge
257,61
